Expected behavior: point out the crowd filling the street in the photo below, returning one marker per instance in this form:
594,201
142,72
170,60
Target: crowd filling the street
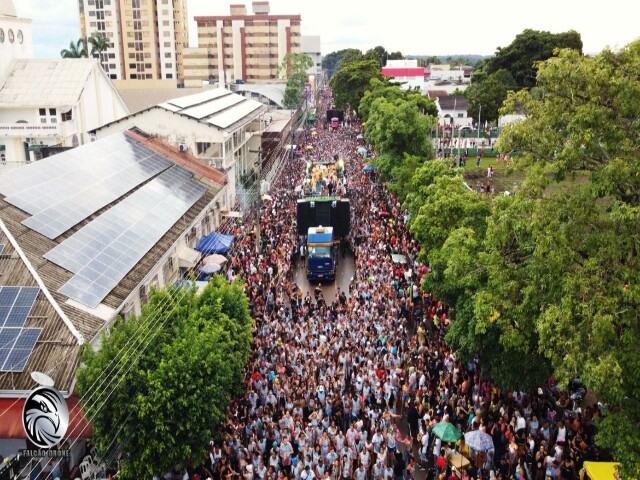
363,386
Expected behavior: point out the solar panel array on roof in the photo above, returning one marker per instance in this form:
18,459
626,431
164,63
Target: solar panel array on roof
62,192
102,252
16,346
16,342
196,98
215,106
231,116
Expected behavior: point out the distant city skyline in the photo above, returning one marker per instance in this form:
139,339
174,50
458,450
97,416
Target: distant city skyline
411,26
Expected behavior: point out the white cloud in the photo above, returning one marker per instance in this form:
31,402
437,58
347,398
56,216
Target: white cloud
410,26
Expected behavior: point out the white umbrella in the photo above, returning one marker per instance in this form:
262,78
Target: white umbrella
215,259
210,268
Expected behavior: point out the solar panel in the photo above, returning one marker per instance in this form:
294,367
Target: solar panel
16,346
105,250
89,179
234,114
16,304
215,106
196,98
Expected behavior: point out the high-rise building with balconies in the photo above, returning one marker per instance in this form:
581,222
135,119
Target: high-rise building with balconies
146,37
242,48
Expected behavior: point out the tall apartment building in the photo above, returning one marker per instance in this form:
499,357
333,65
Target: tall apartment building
242,47
147,37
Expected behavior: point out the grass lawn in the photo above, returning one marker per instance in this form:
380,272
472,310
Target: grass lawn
508,181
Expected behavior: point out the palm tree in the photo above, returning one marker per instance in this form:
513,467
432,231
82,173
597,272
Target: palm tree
75,50
99,43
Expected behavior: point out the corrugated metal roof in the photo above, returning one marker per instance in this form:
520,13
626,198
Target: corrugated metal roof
46,83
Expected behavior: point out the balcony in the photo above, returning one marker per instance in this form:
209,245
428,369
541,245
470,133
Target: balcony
29,130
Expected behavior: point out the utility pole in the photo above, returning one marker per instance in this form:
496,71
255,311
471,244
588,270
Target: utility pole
479,117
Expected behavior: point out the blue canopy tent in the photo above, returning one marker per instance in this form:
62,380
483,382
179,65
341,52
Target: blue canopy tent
215,242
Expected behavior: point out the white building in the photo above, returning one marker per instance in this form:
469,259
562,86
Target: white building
452,109
446,73
311,47
53,103
220,127
406,72
15,36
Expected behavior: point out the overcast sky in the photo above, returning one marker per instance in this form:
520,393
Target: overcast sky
410,26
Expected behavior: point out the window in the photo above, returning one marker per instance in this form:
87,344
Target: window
167,55
43,111
165,23
3,159
67,116
167,44
168,65
166,34
169,76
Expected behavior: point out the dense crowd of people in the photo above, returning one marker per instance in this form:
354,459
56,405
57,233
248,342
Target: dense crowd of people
353,388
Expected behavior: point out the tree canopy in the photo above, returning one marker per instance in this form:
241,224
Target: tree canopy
520,57
584,117
333,61
399,124
295,65
488,93
99,43
547,281
352,80
179,363
77,49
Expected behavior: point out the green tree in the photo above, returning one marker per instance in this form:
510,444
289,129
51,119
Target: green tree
183,359
395,128
378,88
332,62
528,48
76,49
489,93
351,55
377,53
584,118
295,66
352,80
99,44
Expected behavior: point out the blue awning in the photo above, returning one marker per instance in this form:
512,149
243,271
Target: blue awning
215,242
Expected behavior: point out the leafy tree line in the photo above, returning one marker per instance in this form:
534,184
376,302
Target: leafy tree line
547,282
332,62
188,361
513,68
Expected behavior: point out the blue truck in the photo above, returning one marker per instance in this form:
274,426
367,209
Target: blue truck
322,254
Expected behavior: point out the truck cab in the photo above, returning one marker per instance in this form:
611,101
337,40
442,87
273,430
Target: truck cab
322,254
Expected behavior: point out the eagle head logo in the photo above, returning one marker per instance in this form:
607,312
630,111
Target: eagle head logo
45,417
